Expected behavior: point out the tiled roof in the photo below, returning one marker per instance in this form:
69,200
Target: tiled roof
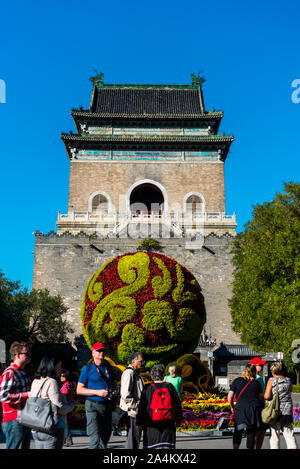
162,142
236,350
87,114
147,138
147,101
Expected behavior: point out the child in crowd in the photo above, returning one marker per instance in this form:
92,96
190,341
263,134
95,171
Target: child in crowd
68,390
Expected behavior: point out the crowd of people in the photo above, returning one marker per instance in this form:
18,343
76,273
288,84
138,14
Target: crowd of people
155,410
251,393
152,410
17,385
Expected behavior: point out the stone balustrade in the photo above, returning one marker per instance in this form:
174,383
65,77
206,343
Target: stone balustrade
140,217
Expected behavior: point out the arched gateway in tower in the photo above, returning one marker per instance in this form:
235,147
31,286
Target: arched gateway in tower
146,160
146,196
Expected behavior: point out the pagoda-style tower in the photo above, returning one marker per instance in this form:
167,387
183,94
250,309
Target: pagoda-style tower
147,161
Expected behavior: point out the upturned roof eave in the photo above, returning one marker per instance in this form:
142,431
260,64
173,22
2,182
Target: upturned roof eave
148,138
219,141
213,115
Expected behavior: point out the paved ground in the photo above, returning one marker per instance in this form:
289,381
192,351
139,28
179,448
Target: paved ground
186,442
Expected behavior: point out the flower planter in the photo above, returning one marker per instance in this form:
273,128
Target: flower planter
196,433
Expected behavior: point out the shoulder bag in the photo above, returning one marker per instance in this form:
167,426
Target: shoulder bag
270,413
39,414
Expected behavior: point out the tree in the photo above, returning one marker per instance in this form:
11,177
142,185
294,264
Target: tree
265,304
13,323
148,244
34,316
44,315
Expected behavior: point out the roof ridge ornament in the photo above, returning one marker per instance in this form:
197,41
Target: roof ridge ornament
197,80
98,79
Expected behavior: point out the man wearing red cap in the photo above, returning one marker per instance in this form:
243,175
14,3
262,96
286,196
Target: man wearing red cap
97,383
259,364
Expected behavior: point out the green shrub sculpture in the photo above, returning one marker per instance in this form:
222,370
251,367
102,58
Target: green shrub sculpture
143,301
195,374
148,244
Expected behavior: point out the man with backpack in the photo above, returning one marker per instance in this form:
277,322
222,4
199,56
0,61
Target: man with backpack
159,412
132,385
98,384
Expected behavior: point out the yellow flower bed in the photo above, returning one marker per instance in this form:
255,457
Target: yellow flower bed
205,402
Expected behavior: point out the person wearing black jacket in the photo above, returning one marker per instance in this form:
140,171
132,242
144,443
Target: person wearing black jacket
159,434
249,404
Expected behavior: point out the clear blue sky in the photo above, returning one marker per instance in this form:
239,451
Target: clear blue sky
250,55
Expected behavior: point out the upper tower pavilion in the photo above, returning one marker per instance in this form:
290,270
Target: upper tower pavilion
146,161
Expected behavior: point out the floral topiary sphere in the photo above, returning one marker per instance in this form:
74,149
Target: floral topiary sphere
143,302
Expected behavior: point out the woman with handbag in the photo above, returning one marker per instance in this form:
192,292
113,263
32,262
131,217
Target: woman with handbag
249,404
285,418
46,387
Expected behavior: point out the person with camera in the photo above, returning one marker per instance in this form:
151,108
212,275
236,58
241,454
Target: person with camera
98,384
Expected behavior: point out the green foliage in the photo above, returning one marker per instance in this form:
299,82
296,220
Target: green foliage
148,244
13,323
133,336
34,316
45,316
151,363
295,388
158,314
265,303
